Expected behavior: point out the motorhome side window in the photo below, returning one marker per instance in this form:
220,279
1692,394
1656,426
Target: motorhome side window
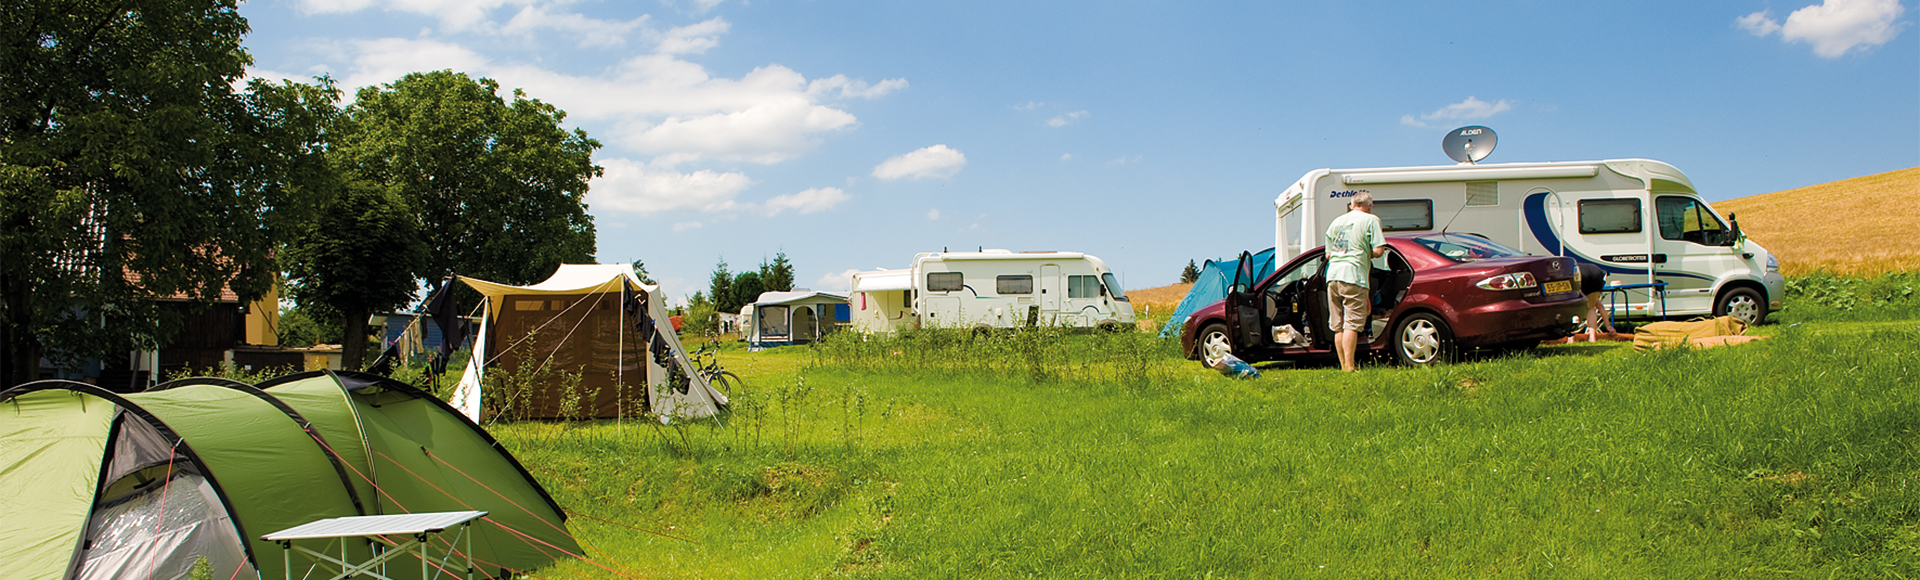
1609,216
944,281
1083,287
1015,284
1404,215
1686,218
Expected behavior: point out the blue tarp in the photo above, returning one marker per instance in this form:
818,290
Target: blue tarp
1215,276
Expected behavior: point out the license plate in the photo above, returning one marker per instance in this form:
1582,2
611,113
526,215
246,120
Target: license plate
1559,286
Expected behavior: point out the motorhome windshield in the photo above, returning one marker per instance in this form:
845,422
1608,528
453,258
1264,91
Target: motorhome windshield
1113,286
1466,247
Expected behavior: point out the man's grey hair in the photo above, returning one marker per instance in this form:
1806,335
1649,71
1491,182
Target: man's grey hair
1362,199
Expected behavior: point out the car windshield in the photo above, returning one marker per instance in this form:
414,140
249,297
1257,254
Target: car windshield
1466,247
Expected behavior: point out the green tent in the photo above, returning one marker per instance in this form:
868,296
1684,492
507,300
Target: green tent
99,485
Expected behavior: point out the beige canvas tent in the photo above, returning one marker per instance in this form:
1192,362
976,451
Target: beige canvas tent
597,320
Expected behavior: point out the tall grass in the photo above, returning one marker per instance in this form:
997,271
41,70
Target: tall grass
950,455
1039,355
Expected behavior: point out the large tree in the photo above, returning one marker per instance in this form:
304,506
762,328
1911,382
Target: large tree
131,168
361,256
499,187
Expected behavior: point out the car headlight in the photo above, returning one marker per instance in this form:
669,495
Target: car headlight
1773,264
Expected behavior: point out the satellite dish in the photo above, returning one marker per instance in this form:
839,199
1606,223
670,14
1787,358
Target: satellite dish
1469,144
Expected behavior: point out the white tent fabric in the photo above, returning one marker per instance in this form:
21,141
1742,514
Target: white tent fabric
700,400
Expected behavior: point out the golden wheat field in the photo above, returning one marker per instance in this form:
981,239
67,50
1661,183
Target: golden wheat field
1863,226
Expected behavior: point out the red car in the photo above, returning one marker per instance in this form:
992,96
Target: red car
1443,293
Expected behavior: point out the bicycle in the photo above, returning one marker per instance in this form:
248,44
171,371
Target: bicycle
706,361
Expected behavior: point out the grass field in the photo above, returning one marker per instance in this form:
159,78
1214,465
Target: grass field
1864,227
1052,455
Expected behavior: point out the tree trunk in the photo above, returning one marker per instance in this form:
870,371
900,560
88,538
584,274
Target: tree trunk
19,349
354,344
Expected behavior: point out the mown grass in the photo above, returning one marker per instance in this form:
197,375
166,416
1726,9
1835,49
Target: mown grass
1042,454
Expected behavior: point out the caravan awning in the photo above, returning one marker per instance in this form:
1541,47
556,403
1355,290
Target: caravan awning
773,298
883,280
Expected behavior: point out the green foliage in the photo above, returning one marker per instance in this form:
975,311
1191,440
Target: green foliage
701,318
1891,292
300,328
720,288
746,289
776,276
362,255
126,147
227,371
1190,273
499,188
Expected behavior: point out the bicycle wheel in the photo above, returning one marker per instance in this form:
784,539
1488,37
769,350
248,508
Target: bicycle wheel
727,383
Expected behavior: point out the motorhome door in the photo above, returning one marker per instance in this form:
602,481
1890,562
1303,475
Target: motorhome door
1050,293
1697,245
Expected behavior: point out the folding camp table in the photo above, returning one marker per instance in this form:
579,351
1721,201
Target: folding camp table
416,526
1656,290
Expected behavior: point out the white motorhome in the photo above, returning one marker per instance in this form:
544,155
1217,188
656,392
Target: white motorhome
990,289
1640,220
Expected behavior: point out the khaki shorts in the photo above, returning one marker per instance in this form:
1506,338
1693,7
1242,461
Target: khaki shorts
1347,307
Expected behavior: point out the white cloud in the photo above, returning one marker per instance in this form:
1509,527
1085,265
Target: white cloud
591,32
850,88
1028,106
934,161
1759,23
1469,109
630,186
692,38
1066,157
1834,27
805,202
656,103
684,226
456,15
1063,120
1128,160
933,214
835,281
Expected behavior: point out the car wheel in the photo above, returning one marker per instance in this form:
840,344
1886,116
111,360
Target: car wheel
1423,340
1212,342
1744,304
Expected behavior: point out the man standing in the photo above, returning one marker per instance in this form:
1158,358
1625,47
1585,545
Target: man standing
1353,241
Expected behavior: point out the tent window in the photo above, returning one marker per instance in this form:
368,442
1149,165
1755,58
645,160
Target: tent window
1405,215
1609,216
527,305
1016,284
559,305
1083,287
944,281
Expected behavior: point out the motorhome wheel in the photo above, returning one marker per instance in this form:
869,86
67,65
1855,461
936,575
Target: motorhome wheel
1744,304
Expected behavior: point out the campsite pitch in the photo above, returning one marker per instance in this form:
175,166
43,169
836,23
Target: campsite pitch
1784,457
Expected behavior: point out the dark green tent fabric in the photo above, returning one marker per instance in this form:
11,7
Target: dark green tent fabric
298,449
275,477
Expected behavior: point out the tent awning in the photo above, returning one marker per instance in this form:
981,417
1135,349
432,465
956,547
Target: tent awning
570,279
883,280
772,298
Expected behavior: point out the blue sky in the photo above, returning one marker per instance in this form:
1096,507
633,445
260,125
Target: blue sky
853,134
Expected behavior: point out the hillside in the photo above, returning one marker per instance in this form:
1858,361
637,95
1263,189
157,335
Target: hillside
1862,226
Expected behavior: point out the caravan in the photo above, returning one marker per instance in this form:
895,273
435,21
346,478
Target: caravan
990,289
1640,220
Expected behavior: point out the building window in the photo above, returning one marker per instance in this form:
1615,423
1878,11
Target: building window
1405,215
1609,216
944,281
1018,284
